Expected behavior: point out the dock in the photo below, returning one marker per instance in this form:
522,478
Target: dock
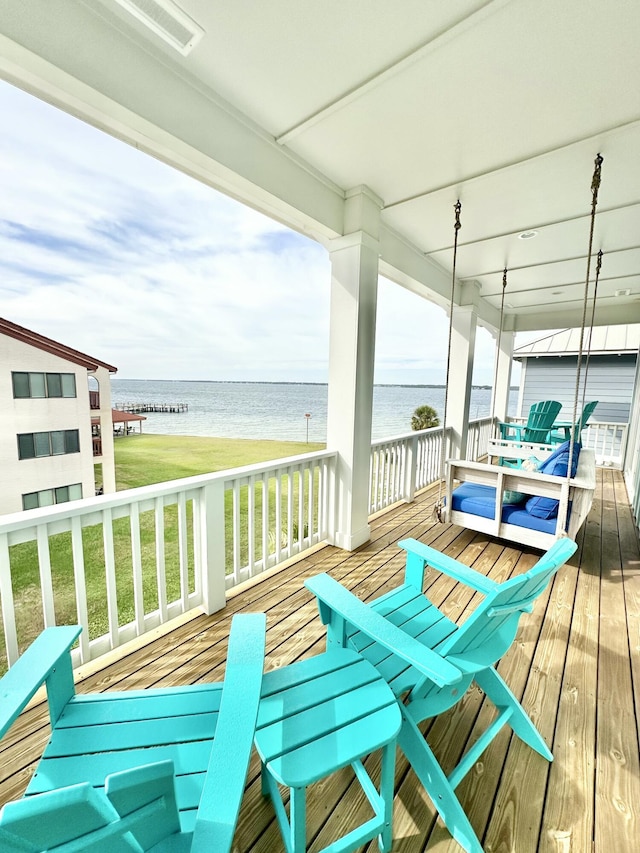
141,408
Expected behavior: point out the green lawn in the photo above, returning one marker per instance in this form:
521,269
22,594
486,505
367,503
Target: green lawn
140,460
145,459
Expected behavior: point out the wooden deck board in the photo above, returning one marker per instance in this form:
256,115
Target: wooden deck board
575,666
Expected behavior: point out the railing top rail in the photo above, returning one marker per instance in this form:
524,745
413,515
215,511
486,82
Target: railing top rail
412,433
30,518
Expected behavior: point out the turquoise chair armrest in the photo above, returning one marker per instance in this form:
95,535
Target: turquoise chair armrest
47,660
420,555
335,600
506,428
227,770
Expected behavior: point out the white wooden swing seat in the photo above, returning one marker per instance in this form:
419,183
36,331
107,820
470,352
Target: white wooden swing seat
514,522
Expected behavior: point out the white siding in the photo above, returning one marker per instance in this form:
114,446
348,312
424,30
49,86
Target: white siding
21,476
610,381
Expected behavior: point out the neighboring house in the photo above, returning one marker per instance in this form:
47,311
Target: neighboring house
48,448
549,371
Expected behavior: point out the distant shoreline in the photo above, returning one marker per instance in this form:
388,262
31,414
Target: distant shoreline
283,382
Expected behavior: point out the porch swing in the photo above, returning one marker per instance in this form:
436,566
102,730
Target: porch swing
541,501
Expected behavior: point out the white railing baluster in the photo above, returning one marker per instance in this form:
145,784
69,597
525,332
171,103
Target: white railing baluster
6,599
110,576
82,610
290,476
198,567
310,493
183,552
46,582
251,527
161,567
265,522
300,509
136,563
278,528
237,495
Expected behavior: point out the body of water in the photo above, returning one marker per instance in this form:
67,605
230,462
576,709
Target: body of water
277,410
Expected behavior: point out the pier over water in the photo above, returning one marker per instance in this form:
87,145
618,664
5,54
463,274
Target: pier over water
141,408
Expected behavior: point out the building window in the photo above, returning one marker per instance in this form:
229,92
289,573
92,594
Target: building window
43,384
48,497
36,444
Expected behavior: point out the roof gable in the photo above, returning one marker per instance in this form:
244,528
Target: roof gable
12,330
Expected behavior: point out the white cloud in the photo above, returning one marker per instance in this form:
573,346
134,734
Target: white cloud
118,255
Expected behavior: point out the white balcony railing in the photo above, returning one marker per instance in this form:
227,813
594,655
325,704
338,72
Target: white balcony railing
123,564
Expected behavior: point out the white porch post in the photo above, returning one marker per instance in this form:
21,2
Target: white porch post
500,395
354,293
463,341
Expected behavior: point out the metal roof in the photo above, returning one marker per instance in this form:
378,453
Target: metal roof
603,340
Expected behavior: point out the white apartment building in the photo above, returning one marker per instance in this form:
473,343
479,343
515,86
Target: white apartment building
48,447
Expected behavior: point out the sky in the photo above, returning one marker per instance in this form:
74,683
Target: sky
118,255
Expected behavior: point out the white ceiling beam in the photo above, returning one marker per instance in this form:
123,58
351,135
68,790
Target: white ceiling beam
375,80
515,164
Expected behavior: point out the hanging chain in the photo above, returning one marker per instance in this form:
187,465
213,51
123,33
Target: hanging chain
497,359
457,226
593,314
595,186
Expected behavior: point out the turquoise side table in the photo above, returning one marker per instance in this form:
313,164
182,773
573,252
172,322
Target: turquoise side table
315,717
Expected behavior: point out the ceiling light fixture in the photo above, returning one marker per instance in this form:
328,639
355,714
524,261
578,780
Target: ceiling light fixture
527,235
166,20
625,292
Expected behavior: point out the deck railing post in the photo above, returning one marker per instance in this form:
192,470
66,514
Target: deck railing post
212,546
410,467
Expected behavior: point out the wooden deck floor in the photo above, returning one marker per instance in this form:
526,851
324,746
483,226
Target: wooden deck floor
575,665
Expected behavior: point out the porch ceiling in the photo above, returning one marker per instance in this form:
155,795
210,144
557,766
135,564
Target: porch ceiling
287,105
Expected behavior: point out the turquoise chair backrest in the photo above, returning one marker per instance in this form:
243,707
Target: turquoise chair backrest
540,420
491,629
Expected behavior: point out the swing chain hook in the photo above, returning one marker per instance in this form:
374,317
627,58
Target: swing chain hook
457,207
595,182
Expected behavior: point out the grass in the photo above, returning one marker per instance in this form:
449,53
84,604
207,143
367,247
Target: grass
140,460
145,459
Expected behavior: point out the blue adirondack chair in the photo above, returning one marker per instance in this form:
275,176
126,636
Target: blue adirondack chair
160,769
539,421
387,631
562,431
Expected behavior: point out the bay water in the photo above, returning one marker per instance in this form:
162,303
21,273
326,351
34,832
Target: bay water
277,410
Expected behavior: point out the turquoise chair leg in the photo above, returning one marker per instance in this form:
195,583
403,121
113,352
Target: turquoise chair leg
387,782
497,691
298,819
436,784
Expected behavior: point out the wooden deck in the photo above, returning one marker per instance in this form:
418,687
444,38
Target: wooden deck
576,666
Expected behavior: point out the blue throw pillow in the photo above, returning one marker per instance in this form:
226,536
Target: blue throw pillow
556,465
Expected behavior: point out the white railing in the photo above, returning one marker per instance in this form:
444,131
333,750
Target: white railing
411,461
607,439
123,564
176,545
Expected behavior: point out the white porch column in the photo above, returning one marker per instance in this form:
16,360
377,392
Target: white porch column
354,293
463,341
106,431
500,395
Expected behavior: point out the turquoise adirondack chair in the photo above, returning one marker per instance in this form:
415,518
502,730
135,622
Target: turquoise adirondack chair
387,632
540,420
160,769
562,430
164,770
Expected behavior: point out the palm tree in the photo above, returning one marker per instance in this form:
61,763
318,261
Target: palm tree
424,417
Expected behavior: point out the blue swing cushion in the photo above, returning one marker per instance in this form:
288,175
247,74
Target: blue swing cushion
536,514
